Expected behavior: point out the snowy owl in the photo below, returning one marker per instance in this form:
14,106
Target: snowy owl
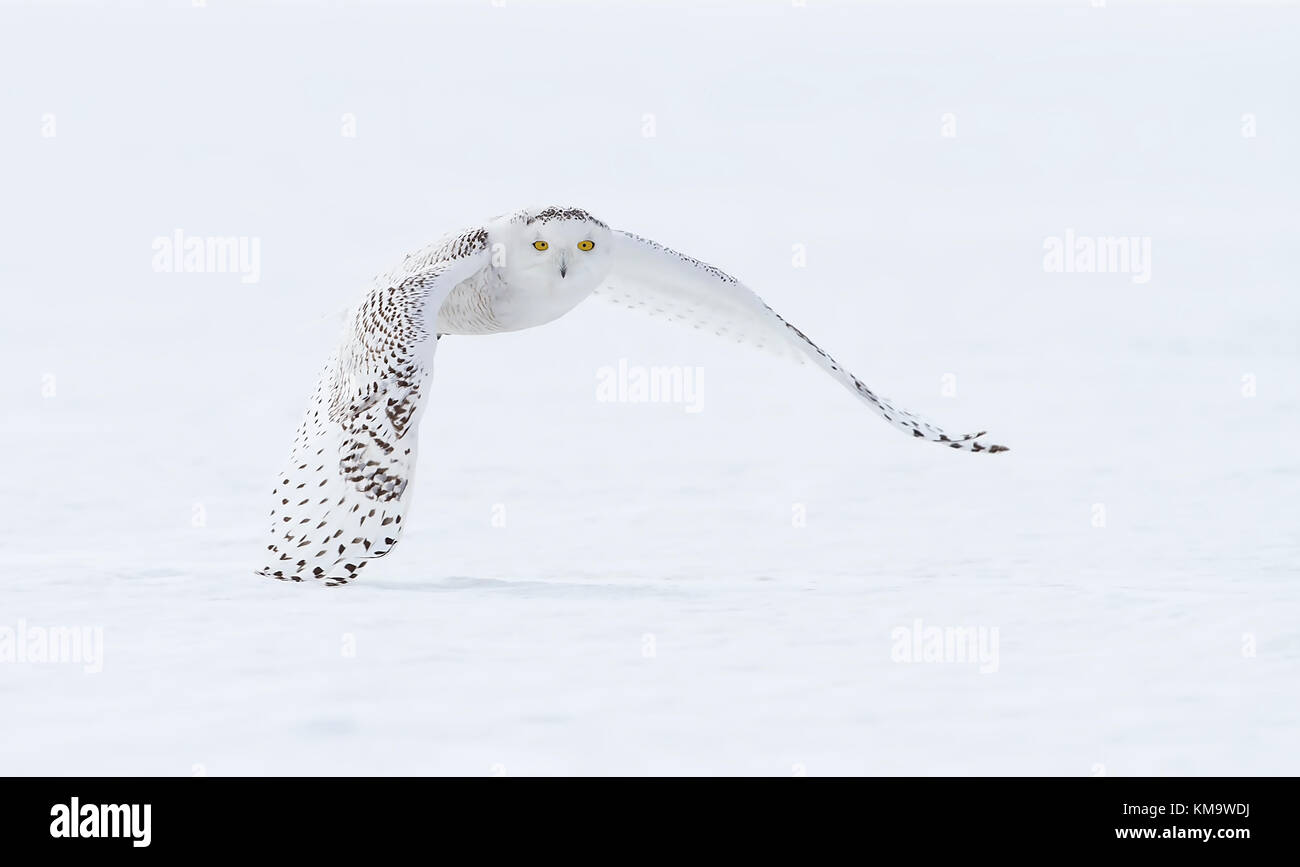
342,499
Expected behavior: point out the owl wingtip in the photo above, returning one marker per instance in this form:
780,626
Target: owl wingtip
976,446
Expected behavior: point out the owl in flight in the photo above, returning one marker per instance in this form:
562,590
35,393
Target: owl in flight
342,499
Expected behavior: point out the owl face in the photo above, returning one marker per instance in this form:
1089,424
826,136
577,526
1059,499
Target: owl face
559,251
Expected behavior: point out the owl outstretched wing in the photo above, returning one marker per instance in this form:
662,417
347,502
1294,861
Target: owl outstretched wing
660,281
341,500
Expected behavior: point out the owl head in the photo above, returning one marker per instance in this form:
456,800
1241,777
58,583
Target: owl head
563,250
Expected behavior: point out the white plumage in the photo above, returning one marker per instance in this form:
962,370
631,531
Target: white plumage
341,501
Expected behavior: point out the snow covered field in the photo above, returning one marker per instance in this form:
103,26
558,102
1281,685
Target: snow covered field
608,587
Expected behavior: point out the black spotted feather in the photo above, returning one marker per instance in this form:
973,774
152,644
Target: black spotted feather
342,499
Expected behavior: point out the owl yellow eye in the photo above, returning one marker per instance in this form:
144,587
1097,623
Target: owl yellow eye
540,245
586,245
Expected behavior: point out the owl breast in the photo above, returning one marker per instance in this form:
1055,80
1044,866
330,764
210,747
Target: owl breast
487,303
473,305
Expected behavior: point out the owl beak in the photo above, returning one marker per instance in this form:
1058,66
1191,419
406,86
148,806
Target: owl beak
564,267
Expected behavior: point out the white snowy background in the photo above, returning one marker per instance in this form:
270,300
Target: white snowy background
671,592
